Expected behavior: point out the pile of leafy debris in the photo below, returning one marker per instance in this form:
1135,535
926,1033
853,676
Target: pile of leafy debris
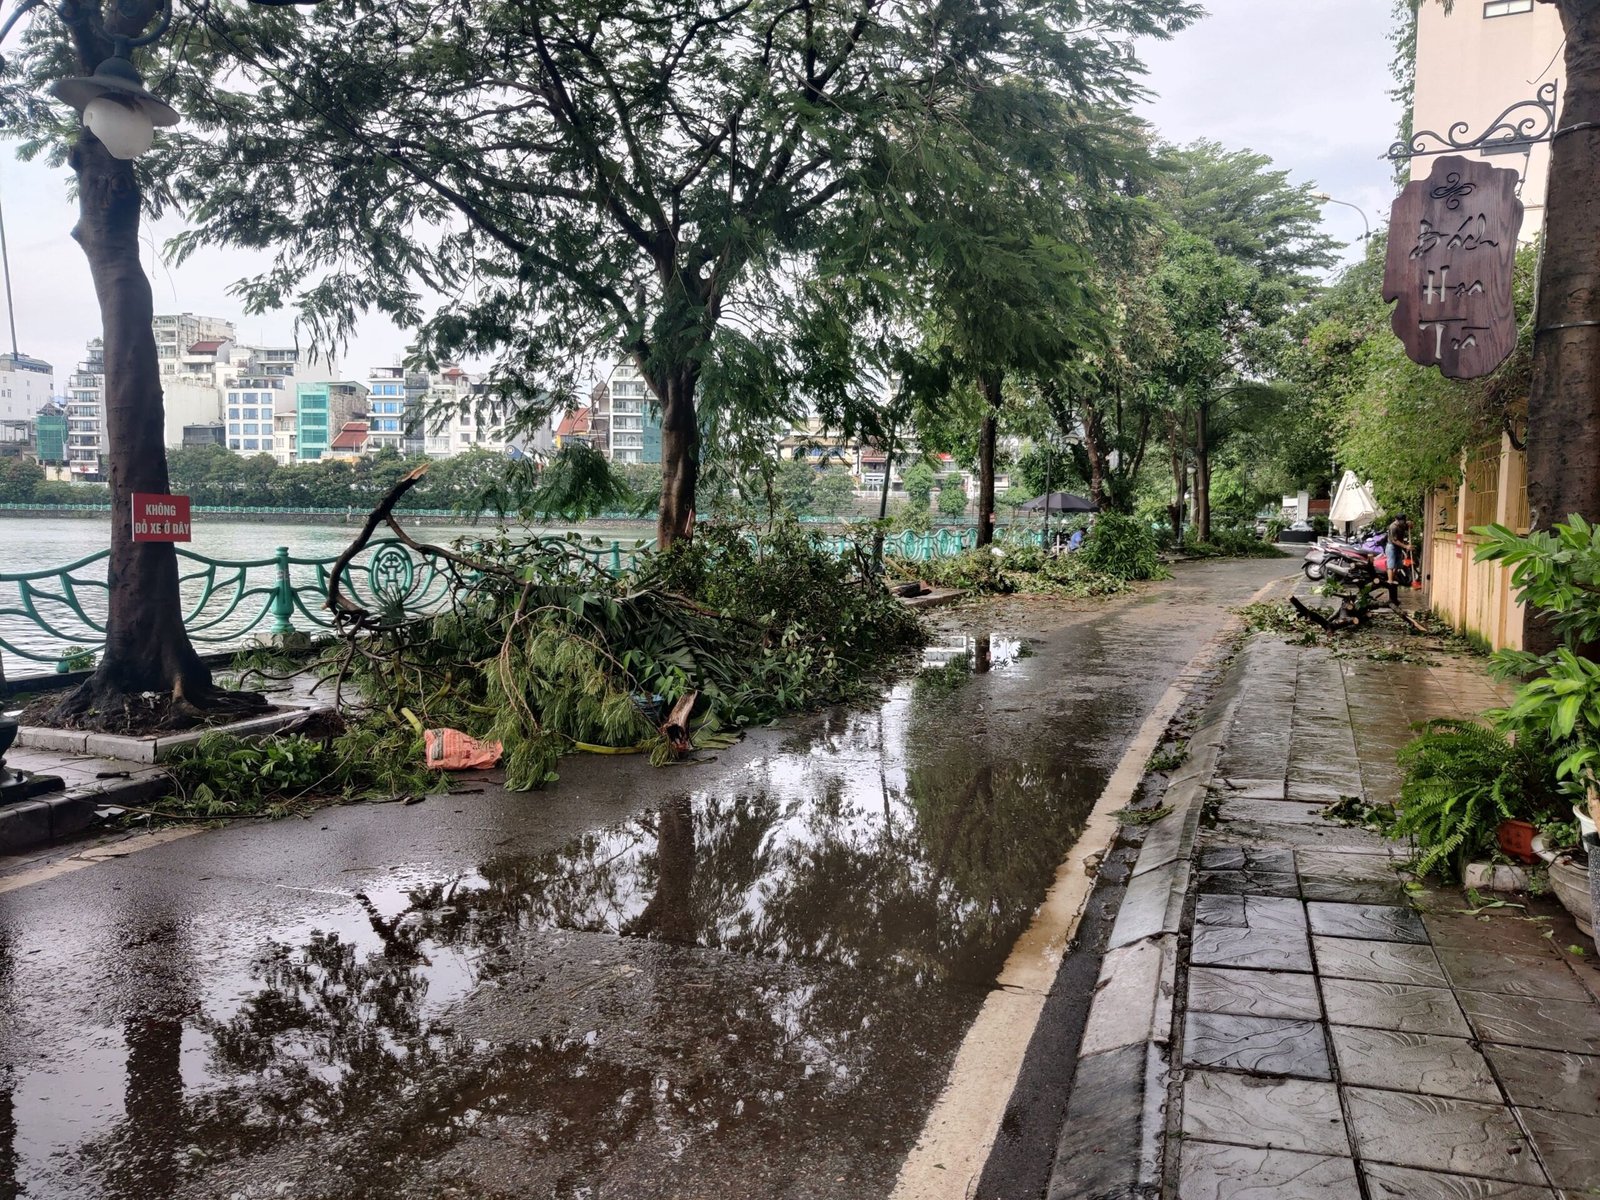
1008,569
546,653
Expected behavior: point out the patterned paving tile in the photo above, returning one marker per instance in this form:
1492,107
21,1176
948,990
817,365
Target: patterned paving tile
1367,868
1281,1114
1439,1134
1353,891
1251,912
1291,812
1246,858
1261,949
1413,1062
1398,1006
1211,1172
1372,922
1482,970
1265,1045
1385,1182
1547,1078
1569,1144
1385,962
1534,1021
1254,993
1248,883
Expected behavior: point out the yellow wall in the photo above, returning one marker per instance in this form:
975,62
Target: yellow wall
1474,597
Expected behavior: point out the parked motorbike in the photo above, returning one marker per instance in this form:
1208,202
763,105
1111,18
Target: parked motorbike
1353,563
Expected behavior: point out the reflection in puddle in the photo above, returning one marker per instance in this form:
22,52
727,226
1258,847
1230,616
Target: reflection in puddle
789,959
981,651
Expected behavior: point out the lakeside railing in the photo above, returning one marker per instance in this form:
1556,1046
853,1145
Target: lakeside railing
53,620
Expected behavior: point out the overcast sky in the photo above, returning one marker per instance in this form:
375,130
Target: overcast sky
1305,81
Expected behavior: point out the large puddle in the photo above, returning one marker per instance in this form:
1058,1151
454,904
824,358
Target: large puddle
748,989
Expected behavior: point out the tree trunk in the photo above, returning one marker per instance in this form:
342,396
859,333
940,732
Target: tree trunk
1202,471
1564,398
883,501
1179,475
680,453
147,648
1094,443
992,386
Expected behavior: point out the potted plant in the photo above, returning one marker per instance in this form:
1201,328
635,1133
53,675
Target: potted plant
1557,575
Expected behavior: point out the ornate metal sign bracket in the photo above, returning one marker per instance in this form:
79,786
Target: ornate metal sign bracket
1525,123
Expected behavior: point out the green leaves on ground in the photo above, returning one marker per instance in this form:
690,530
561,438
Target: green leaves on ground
547,654
223,775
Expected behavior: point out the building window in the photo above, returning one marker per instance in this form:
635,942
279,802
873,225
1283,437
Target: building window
252,444
1507,8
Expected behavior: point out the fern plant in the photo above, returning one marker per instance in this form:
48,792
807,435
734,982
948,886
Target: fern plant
1462,779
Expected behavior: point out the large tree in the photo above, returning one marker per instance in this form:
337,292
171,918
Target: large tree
1243,244
147,648
571,177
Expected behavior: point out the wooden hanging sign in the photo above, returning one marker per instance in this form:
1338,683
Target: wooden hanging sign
1452,247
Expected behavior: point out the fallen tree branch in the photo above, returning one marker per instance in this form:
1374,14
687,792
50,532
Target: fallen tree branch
339,603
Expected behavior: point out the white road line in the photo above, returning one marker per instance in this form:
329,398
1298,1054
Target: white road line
949,1156
89,857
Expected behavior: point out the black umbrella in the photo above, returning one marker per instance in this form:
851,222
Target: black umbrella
1060,502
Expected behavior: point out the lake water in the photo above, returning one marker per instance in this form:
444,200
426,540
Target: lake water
40,543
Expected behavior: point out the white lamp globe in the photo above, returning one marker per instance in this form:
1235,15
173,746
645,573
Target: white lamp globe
122,126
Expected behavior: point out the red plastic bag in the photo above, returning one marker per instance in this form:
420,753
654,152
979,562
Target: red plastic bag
452,750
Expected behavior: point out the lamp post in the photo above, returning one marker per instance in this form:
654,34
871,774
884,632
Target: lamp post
114,104
147,648
1365,220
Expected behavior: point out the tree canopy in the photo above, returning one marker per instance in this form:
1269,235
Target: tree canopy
649,174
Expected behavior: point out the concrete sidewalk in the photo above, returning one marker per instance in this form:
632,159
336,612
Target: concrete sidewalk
1279,1016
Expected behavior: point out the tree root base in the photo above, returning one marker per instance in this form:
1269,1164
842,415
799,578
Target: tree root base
98,707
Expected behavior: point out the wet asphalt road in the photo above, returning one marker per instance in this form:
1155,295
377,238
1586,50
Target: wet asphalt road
739,979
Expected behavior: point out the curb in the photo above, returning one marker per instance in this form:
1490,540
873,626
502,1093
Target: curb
1111,1144
157,749
50,818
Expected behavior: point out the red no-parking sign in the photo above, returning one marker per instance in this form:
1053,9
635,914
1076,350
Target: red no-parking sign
158,518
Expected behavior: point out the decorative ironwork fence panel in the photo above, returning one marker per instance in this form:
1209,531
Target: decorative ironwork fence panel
54,618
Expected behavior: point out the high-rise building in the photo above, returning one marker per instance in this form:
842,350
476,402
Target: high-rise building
50,433
387,409
177,332
635,428
1473,64
86,430
322,410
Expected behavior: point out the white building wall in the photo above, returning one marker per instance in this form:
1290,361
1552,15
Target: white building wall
187,402
23,392
630,398
1476,62
176,332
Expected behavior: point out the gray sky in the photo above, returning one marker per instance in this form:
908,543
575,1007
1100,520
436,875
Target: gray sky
1304,81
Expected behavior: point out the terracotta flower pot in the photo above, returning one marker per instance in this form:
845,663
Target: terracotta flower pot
1516,840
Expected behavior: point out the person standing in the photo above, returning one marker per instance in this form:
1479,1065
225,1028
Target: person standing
1399,545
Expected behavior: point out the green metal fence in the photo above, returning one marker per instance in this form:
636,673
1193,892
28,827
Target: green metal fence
55,617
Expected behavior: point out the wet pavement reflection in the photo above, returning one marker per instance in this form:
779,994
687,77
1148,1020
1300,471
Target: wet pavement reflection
751,982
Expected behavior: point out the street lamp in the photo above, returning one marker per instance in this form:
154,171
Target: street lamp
116,107
1327,199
